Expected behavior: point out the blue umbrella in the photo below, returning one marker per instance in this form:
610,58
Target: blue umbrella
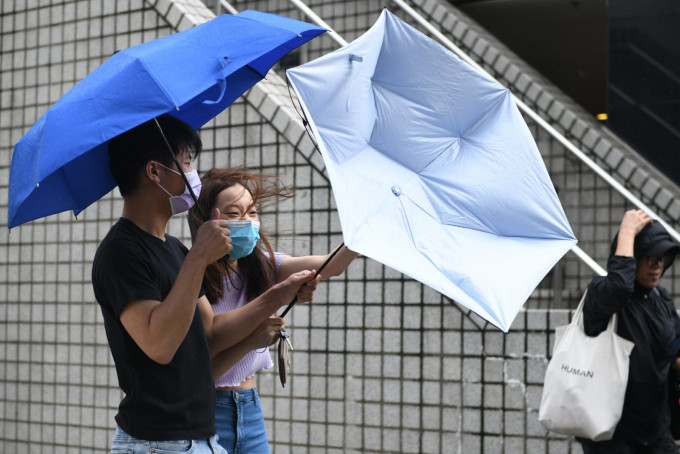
62,161
434,170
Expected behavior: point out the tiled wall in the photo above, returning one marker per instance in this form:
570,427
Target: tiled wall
381,363
58,389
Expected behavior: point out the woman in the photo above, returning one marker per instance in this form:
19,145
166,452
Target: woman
640,253
251,269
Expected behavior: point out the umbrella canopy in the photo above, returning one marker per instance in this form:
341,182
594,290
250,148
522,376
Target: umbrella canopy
62,162
433,169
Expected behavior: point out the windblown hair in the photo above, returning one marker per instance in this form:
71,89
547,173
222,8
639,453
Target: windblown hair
257,269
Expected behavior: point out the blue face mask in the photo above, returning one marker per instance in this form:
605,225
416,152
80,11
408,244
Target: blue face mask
244,237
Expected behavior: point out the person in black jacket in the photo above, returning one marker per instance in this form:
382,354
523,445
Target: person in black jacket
641,252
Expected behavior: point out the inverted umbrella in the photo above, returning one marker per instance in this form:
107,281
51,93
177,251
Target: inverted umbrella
62,161
433,169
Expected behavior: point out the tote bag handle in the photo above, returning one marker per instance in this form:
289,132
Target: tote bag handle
578,316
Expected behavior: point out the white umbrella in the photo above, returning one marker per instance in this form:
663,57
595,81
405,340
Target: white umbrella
433,169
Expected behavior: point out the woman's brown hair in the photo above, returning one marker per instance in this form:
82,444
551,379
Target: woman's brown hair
257,269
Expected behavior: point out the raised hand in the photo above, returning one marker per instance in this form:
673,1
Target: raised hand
213,240
632,223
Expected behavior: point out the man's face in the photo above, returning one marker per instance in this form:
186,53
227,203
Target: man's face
174,183
649,269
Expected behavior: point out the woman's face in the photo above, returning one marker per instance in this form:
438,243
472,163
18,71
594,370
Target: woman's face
649,270
236,203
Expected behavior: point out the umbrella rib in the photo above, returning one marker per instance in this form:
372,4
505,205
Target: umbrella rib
486,115
71,189
160,85
534,237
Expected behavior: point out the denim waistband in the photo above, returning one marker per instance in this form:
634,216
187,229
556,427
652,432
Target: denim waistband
124,442
238,395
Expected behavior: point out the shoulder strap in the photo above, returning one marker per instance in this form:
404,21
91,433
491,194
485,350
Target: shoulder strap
578,316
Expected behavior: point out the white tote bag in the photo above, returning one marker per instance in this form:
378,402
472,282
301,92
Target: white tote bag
585,383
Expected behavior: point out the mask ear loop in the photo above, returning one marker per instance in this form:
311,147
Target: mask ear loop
179,167
233,271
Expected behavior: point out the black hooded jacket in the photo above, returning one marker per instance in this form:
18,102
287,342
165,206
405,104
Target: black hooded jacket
648,318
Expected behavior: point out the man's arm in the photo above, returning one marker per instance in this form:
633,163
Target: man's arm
158,327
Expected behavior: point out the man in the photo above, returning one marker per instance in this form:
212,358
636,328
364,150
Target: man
641,252
161,329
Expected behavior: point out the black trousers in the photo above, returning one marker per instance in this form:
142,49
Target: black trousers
663,445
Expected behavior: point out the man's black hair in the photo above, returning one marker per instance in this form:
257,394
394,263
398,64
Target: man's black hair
130,151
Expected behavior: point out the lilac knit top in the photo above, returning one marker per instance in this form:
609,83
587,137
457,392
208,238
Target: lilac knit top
256,360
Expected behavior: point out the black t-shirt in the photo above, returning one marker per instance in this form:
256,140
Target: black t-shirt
162,401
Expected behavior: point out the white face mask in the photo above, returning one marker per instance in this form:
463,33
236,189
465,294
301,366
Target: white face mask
184,201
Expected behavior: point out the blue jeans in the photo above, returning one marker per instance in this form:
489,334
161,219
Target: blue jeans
240,423
127,444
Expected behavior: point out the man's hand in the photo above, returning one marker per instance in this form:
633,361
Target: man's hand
213,240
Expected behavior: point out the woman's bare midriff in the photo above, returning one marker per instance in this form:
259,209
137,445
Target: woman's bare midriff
249,383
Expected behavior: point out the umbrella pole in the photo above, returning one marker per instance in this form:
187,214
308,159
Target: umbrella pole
285,337
292,303
179,167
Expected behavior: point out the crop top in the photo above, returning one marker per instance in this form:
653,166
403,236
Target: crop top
254,361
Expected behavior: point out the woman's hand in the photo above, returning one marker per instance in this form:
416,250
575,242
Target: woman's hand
632,223
306,292
301,285
267,333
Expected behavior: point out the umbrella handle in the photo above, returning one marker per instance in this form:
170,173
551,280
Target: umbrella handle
292,303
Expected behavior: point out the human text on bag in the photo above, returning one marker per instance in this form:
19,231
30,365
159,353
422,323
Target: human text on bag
572,370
